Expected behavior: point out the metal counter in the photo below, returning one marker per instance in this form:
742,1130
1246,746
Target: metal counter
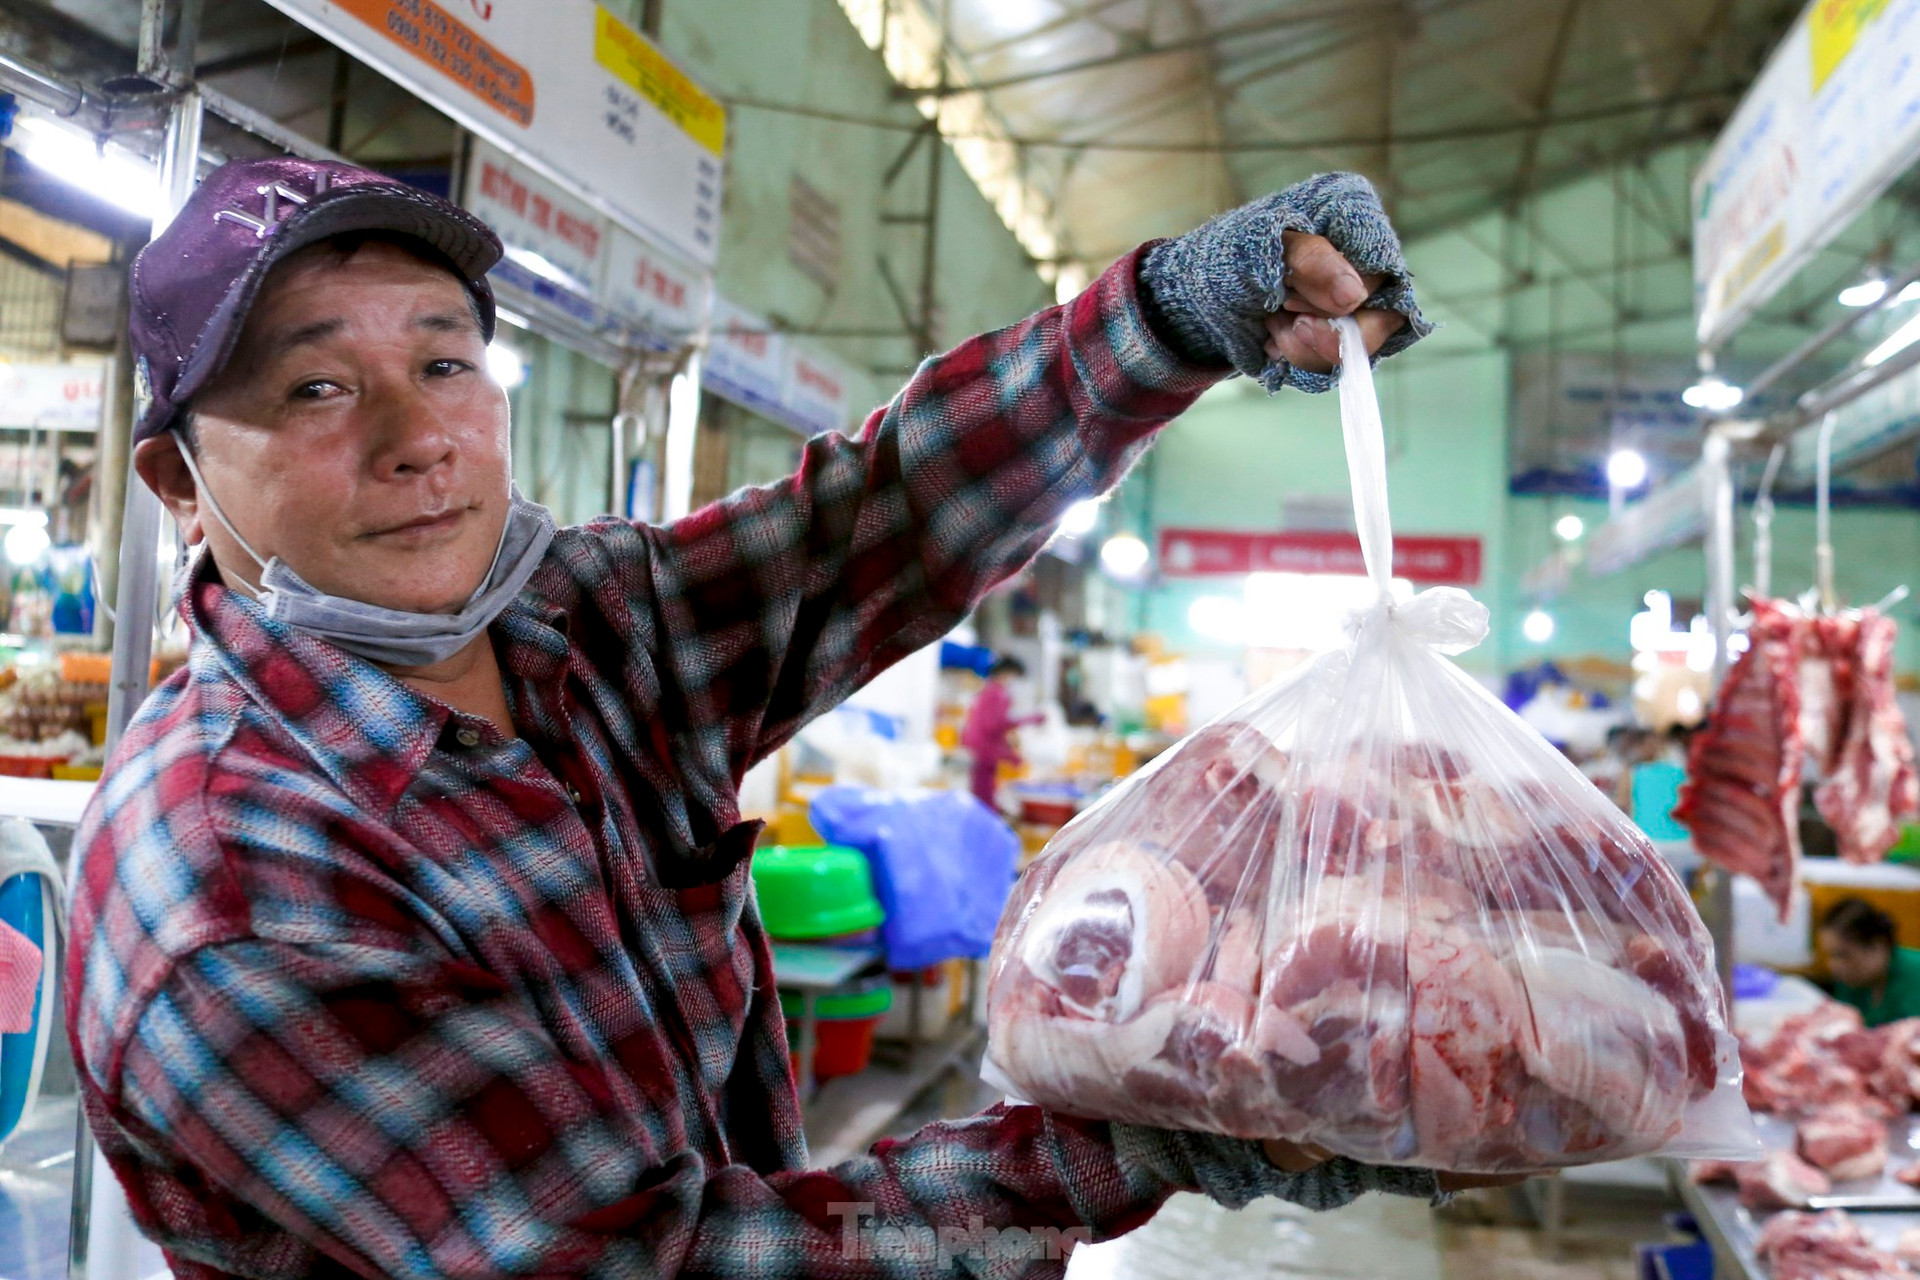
1732,1229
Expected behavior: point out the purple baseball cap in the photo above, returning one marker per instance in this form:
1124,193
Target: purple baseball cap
193,286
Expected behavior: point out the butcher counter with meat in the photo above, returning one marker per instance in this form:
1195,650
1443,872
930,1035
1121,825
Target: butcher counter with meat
1838,1195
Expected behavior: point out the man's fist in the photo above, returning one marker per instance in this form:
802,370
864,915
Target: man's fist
1322,283
1241,290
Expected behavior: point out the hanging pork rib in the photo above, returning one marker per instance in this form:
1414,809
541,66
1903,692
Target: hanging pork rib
1741,799
1871,786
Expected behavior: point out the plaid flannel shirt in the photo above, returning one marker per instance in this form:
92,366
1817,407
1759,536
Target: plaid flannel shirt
361,986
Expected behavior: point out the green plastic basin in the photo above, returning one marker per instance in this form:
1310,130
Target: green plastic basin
870,1003
814,891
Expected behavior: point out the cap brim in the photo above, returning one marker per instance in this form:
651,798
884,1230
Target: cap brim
466,241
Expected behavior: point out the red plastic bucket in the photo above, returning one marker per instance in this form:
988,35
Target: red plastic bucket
843,1029
845,1046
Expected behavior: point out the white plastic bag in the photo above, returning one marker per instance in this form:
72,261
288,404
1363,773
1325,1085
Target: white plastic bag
1371,910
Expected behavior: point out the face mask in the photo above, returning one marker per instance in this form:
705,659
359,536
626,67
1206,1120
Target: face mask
397,637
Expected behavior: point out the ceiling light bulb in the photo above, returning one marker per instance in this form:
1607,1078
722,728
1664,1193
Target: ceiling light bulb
1626,469
1903,337
1538,626
1569,528
1713,394
1864,294
1124,555
79,160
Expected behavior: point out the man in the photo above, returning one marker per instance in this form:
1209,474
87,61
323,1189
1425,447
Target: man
989,724
414,926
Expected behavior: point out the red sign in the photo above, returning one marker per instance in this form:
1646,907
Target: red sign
1195,553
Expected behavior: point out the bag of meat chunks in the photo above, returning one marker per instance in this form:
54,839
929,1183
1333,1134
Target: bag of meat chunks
1371,910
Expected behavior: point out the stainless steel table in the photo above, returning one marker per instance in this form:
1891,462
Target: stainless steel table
1732,1229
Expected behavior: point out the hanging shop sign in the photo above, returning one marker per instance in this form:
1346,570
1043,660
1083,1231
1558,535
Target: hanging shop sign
754,366
544,228
1196,553
652,289
561,250
1832,120
745,360
52,397
564,86
816,391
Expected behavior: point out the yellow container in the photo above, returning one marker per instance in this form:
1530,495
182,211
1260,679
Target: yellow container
97,723
76,773
86,668
791,827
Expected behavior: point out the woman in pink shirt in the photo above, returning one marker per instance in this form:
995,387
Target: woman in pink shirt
989,720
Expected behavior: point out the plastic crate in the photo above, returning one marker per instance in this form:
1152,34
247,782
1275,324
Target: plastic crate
1675,1261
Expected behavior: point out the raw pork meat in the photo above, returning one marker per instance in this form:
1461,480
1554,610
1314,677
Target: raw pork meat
1781,1181
1828,1246
1811,695
1828,647
1116,928
1742,794
1848,1142
1407,961
1871,785
1221,806
1827,1057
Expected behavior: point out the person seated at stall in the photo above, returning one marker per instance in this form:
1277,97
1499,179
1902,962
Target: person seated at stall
1870,972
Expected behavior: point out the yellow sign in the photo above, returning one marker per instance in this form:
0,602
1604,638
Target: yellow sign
1763,253
1835,27
632,58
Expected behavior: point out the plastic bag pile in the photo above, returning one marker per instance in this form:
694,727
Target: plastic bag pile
1371,910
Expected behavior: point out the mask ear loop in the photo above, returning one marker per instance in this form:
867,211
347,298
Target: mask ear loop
493,566
213,506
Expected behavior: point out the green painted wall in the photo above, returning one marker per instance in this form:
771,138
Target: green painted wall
1237,455
807,52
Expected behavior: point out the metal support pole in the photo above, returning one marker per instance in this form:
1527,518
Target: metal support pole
930,232
1716,473
1823,515
1763,525
617,463
97,1196
683,427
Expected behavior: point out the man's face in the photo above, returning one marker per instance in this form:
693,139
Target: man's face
355,434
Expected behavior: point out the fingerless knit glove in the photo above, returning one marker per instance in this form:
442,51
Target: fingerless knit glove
1234,1171
1208,292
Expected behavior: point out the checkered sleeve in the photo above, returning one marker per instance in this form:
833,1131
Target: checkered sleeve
779,601
402,1113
